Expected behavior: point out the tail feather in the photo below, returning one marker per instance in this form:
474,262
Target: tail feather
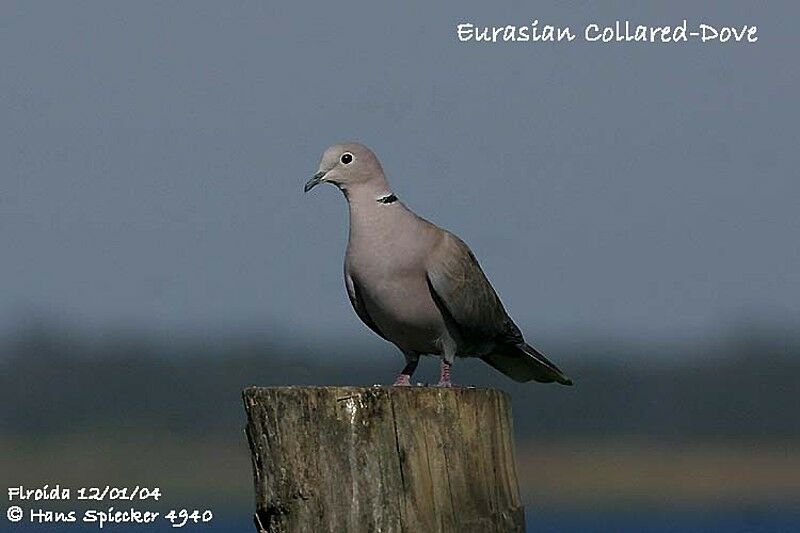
522,362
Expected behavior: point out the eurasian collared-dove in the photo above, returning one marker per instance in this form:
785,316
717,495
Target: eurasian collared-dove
417,285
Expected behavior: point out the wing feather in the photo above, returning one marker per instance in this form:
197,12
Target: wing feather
464,295
357,301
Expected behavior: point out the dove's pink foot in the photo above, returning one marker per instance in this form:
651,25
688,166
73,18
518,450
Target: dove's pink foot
403,380
444,375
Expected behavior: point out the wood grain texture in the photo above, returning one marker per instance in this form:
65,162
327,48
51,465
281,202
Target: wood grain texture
389,459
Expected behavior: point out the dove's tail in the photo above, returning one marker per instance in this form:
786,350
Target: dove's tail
522,362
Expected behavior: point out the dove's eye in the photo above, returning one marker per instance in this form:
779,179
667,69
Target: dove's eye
347,158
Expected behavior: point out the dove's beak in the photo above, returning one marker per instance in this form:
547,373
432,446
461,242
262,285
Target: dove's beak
315,180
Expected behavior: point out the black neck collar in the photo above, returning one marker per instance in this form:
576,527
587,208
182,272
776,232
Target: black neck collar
388,199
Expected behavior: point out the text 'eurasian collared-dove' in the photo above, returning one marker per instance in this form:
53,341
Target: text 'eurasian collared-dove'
417,285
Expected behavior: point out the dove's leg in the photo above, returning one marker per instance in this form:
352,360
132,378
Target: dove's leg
447,362
404,379
444,374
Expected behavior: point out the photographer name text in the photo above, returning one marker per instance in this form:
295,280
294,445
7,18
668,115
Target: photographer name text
98,506
618,32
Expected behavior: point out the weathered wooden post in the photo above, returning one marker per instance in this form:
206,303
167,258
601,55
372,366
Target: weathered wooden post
389,459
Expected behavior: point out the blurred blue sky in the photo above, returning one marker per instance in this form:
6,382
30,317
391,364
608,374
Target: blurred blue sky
153,157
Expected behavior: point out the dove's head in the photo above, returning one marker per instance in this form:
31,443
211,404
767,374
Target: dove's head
349,166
